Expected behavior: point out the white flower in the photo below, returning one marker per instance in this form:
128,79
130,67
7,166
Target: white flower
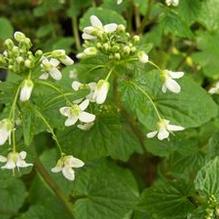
169,83
66,164
76,85
76,112
172,2
119,2
143,57
101,91
96,28
61,55
5,130
26,90
15,159
214,89
85,126
49,67
164,129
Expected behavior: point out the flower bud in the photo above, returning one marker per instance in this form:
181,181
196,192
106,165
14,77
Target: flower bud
28,63
9,43
26,90
126,49
121,28
19,36
117,56
101,91
39,52
143,57
90,51
19,59
136,38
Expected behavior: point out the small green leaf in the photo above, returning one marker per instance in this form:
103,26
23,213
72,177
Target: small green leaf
6,29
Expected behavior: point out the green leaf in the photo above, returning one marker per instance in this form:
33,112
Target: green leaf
6,29
12,196
209,14
105,191
108,137
207,179
207,57
188,108
105,15
167,200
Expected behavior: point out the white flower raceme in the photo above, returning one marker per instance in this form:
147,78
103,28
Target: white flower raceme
50,67
169,82
26,90
100,92
143,57
214,89
96,28
164,129
15,159
119,2
172,2
5,130
76,112
61,55
66,164
76,85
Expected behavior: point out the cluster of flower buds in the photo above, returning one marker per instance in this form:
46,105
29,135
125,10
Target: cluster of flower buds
111,40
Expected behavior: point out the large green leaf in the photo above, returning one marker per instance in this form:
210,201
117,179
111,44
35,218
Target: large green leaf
188,108
105,191
167,200
6,29
108,137
207,179
12,196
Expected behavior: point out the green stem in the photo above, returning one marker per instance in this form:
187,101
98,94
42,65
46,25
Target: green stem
156,66
149,98
12,116
40,115
146,17
109,74
76,33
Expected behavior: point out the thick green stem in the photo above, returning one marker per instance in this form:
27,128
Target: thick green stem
76,33
53,186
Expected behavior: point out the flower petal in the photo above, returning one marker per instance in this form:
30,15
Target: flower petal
162,134
176,75
172,85
23,154
65,111
95,22
56,74
76,85
44,76
86,36
23,164
67,60
109,28
9,165
71,121
175,128
3,159
86,117
68,173
75,162
54,62
151,134
56,169
84,105
88,30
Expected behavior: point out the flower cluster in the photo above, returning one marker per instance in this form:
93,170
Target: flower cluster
111,40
